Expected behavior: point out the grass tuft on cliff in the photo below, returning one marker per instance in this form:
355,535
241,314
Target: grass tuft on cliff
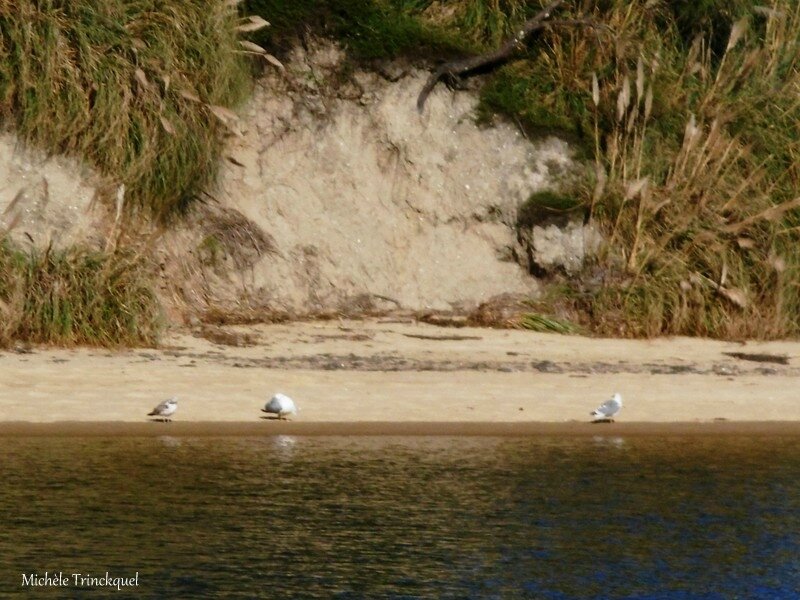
76,296
137,88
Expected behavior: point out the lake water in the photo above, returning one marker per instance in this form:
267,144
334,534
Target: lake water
405,517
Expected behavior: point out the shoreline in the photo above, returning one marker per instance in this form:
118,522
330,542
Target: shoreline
361,372
401,429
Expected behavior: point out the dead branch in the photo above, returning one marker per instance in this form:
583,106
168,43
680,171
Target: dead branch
454,70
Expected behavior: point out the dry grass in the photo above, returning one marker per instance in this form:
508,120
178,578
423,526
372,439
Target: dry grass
695,162
489,22
229,234
516,311
142,91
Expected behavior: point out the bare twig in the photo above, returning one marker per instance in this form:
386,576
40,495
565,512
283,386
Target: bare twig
457,68
454,70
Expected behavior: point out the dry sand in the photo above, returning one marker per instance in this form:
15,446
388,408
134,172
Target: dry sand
378,375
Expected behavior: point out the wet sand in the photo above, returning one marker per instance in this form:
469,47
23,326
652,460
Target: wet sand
385,376
386,428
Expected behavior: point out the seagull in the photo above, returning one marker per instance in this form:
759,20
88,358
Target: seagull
280,405
165,409
607,410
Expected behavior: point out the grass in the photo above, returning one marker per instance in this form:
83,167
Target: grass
696,161
76,296
710,19
690,113
368,29
137,88
140,90
700,218
546,324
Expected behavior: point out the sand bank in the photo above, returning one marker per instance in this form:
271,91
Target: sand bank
366,373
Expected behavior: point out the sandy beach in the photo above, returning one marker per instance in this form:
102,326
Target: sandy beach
396,376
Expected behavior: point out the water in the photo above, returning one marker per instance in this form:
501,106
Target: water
375,517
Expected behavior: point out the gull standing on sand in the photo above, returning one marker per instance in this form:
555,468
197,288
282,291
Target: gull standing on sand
607,410
280,405
165,409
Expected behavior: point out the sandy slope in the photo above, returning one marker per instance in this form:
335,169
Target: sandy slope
357,371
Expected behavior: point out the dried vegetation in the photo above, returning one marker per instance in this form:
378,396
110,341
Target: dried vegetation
693,126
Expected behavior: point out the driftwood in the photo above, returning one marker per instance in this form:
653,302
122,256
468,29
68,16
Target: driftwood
456,69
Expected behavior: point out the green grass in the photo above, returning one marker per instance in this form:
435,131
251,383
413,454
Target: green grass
368,29
711,19
490,22
138,89
77,296
127,85
543,323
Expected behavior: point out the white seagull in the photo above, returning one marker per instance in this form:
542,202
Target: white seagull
280,405
607,410
165,409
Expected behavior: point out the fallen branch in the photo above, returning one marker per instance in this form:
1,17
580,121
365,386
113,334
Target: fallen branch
454,70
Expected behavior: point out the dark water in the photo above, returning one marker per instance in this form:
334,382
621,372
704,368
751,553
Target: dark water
282,517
